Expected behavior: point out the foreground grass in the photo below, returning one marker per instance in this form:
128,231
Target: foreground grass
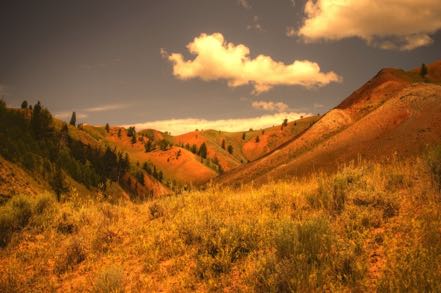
366,228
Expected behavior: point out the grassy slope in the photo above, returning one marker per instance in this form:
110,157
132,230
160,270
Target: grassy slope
364,228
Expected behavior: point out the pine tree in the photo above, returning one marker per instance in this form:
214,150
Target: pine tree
119,133
257,139
148,146
194,149
285,122
107,127
203,150
24,104
423,70
223,143
230,149
73,119
133,139
243,136
58,183
41,121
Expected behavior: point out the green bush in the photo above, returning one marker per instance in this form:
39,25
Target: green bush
304,260
14,216
21,208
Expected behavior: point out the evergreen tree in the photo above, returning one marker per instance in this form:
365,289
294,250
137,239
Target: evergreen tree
148,146
203,150
140,177
133,139
58,183
223,143
24,104
119,133
257,139
243,136
107,127
73,119
230,149
41,121
194,149
285,122
131,131
423,70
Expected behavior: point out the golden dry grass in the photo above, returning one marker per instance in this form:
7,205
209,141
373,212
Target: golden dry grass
366,228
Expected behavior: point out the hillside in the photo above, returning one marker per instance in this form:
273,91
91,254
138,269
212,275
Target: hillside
393,113
38,152
178,158
374,227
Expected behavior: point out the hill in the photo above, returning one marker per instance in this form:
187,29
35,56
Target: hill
374,227
178,158
60,158
393,113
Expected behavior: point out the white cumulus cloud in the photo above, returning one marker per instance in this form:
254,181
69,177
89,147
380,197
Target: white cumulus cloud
180,126
217,59
388,24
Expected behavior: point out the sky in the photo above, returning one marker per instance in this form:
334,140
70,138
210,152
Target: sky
177,65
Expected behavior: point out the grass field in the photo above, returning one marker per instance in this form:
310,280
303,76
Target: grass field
367,227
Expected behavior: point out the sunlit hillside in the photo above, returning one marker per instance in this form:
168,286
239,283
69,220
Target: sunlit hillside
366,228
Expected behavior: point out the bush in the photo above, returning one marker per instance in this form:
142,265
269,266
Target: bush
44,210
156,211
66,223
303,261
434,163
14,216
110,280
22,210
72,256
7,222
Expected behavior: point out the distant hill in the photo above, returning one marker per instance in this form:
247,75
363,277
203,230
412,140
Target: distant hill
397,112
38,152
394,113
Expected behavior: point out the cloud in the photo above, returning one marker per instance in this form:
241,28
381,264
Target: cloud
270,106
217,59
84,113
244,3
318,105
180,126
255,25
67,115
291,31
387,24
105,108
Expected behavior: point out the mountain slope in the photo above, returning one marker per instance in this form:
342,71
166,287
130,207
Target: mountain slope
388,114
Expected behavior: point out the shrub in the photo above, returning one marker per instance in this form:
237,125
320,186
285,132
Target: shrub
110,280
7,222
44,210
22,210
72,256
156,211
66,223
14,216
44,203
434,162
303,261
